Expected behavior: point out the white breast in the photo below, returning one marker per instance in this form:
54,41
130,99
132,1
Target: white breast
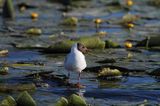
75,61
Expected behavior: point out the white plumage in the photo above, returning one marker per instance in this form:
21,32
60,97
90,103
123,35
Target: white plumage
75,60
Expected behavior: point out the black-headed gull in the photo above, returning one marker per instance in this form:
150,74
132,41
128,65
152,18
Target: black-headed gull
75,60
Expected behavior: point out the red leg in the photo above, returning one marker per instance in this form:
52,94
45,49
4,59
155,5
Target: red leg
78,84
79,77
68,74
68,79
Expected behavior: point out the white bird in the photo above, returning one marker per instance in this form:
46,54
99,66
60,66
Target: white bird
75,60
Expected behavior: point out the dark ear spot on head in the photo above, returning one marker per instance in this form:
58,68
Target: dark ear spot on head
78,44
81,48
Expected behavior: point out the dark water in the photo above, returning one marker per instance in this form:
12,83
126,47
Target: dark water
130,90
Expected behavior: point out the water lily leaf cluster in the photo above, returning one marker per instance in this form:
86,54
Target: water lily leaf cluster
4,70
4,52
72,21
129,18
17,87
23,99
34,31
107,72
73,100
65,45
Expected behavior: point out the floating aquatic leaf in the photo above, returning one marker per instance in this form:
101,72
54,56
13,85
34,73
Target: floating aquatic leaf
149,41
34,31
144,103
101,34
129,55
128,18
8,101
73,21
3,52
107,60
30,65
62,102
65,45
79,3
111,44
4,70
75,100
25,99
110,2
107,72
17,87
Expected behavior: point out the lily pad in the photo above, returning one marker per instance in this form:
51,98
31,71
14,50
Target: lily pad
108,60
79,3
25,99
3,52
34,31
107,72
128,18
111,44
4,70
8,101
75,100
35,43
111,2
62,102
72,21
101,34
17,87
150,42
65,45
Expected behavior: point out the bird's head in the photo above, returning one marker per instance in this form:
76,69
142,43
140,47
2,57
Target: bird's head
82,48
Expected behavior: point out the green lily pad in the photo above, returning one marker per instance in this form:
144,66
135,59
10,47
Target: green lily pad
4,70
129,18
107,72
17,87
75,100
25,99
8,101
65,45
111,44
62,102
73,21
150,42
34,31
